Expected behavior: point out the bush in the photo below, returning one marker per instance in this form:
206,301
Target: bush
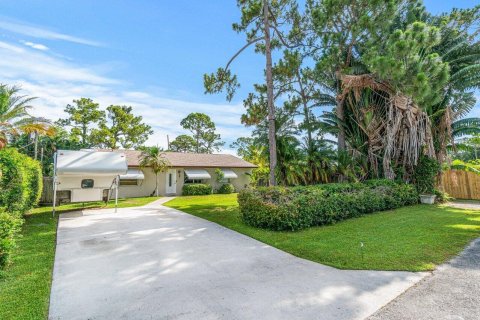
20,182
226,188
196,189
21,185
425,175
35,182
13,183
9,226
302,207
277,214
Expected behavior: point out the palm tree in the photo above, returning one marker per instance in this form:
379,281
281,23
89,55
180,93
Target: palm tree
155,158
15,118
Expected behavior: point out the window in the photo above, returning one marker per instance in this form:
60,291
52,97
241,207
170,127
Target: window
128,182
87,183
186,181
169,179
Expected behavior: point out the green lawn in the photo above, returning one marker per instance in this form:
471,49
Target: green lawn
415,238
25,283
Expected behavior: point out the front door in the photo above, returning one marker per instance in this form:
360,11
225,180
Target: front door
171,186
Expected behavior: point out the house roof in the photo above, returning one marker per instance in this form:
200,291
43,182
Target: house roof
192,160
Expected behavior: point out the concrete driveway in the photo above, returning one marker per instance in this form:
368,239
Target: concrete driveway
159,263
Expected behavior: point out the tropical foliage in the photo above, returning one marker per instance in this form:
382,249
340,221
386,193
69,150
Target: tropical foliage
390,81
15,118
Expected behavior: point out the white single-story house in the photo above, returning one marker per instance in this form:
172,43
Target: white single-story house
184,168
93,175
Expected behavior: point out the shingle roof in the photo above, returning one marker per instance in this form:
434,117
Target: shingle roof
190,160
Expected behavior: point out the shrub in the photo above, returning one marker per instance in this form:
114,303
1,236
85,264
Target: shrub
301,207
9,226
20,181
276,214
13,183
196,189
425,174
226,188
34,182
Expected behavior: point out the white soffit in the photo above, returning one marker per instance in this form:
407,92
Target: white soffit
133,174
197,174
229,174
87,162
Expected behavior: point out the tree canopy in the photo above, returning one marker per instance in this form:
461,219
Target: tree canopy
204,136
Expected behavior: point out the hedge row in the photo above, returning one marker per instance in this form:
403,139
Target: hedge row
196,189
297,208
20,190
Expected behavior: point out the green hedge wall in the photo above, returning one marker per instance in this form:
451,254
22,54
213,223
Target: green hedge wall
297,208
21,184
196,189
9,226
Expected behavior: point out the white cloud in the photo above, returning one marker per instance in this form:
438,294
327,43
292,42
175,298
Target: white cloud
41,33
33,45
56,82
18,62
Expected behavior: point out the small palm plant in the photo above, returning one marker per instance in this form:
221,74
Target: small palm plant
155,158
14,116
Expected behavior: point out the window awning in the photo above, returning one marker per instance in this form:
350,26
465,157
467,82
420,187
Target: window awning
197,174
133,174
229,174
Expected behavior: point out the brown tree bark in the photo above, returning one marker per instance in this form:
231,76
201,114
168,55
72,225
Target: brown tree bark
271,107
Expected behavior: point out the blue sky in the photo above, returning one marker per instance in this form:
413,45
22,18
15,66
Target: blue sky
148,54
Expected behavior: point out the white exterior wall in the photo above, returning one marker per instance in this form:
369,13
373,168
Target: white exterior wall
147,186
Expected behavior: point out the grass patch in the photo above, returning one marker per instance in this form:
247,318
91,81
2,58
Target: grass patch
415,238
25,283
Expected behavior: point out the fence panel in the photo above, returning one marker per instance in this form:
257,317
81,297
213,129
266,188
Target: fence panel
461,184
47,193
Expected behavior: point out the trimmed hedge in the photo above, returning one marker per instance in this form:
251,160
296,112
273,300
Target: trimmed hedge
20,181
9,226
226,188
298,208
196,189
21,184
35,182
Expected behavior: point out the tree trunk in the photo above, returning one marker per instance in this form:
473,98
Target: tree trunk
306,112
156,184
271,106
341,131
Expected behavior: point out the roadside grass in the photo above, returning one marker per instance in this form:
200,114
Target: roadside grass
25,283
414,238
